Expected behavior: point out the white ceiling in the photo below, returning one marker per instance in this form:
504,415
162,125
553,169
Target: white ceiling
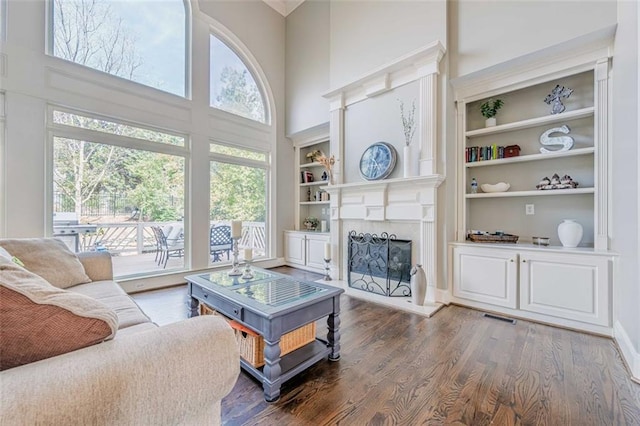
283,7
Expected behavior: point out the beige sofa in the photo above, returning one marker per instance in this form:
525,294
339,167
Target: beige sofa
144,374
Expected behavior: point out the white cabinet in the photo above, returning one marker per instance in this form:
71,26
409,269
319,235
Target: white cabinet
566,286
294,248
305,249
558,286
488,276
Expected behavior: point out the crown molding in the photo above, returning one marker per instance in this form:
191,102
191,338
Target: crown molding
283,7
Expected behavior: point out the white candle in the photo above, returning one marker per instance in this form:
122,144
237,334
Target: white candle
323,226
248,254
327,250
236,228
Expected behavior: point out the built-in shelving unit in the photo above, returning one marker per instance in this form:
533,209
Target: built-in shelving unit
553,284
522,120
305,248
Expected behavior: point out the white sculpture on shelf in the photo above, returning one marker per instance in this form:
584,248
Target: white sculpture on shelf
565,141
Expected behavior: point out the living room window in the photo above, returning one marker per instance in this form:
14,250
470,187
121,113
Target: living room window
239,180
233,87
121,187
142,41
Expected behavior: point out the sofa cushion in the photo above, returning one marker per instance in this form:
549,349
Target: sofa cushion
48,257
38,320
112,295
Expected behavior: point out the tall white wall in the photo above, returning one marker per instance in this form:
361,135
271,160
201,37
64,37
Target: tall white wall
485,32
368,34
626,181
307,66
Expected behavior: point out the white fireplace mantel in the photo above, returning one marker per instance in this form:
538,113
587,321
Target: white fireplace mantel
411,199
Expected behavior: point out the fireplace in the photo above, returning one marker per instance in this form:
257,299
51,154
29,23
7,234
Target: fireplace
379,264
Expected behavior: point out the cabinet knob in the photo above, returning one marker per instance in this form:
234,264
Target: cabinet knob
511,260
524,261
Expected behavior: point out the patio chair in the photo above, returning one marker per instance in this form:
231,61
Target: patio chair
168,247
220,242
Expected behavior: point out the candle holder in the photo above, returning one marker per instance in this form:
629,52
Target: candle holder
247,275
327,267
235,270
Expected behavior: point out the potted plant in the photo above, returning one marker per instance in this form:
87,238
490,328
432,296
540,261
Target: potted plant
489,109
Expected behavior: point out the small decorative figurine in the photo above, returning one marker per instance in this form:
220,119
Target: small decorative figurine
557,183
553,98
474,186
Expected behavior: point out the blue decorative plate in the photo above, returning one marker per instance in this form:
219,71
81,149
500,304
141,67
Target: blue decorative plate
377,161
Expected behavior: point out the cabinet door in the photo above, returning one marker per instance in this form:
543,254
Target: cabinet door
294,248
315,251
566,286
485,275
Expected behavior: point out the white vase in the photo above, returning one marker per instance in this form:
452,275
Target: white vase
570,233
418,285
406,161
490,122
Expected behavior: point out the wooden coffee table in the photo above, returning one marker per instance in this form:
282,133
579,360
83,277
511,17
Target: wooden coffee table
273,304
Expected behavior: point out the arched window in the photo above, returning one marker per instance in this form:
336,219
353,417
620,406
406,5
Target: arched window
142,41
233,87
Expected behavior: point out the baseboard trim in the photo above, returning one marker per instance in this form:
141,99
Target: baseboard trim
630,356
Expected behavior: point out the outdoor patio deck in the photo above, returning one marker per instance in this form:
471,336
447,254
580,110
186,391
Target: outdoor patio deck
143,263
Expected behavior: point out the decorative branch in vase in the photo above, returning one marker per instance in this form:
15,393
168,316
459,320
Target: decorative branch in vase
327,163
409,128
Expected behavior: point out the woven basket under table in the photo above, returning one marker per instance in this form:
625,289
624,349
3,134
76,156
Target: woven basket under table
251,344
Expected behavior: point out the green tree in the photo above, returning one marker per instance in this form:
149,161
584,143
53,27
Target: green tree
237,192
240,95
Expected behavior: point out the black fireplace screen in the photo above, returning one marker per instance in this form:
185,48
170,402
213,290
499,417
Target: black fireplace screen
379,265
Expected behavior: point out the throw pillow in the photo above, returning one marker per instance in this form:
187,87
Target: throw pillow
48,257
38,320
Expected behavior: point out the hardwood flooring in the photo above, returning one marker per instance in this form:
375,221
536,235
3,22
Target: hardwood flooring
398,368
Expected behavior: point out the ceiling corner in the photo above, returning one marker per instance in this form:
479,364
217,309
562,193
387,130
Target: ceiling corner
283,7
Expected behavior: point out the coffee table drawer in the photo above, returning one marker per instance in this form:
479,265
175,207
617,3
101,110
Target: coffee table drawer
224,306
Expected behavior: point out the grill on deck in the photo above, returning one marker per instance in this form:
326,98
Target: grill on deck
66,226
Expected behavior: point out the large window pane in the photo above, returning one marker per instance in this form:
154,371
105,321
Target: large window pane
239,193
142,41
233,88
122,194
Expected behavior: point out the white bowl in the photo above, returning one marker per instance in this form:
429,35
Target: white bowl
498,187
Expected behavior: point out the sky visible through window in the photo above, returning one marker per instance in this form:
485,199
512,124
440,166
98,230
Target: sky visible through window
159,28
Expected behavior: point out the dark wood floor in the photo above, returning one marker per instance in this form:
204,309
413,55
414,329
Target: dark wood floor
457,368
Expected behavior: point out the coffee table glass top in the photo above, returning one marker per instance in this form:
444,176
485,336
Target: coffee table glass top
279,291
222,278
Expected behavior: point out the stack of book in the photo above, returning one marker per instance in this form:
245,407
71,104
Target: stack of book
306,176
482,153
